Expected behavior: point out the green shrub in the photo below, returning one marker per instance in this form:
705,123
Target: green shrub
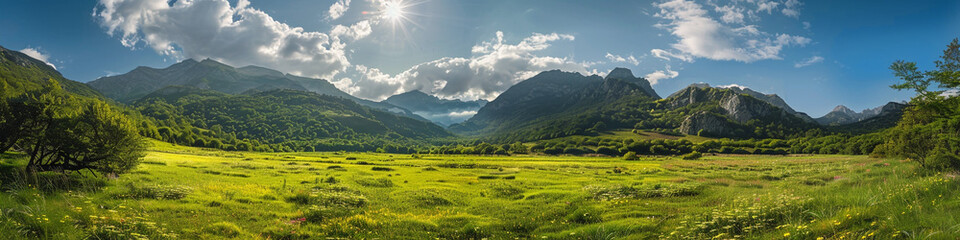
614,192
504,190
630,156
381,169
692,156
375,182
224,229
942,159
160,192
585,215
745,215
318,214
325,197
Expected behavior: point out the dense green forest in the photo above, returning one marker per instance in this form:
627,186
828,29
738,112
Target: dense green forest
279,120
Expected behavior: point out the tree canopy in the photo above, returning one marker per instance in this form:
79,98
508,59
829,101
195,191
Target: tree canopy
60,131
929,131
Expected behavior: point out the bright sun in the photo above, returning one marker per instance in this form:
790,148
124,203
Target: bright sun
393,10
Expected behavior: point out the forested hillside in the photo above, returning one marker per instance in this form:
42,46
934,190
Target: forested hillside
556,104
22,72
279,120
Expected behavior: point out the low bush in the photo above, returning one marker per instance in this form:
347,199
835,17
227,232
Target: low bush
375,182
224,229
381,169
692,156
159,192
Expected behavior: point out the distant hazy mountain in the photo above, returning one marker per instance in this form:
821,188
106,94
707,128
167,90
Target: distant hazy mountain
23,72
883,117
843,115
216,76
442,111
550,95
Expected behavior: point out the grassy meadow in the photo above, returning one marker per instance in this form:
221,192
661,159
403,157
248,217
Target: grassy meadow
191,193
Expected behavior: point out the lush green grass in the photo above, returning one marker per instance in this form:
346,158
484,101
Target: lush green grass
181,192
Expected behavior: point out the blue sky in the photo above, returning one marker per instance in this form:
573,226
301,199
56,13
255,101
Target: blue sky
815,54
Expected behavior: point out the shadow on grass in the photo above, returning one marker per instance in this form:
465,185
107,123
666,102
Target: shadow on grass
14,176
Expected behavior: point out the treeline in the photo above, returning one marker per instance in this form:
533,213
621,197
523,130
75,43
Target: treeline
816,143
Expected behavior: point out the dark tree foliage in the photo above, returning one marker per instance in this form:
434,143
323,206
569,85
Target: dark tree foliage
60,131
929,131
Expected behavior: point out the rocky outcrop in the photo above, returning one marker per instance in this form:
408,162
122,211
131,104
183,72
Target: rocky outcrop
722,112
743,108
692,95
627,75
697,92
707,124
738,107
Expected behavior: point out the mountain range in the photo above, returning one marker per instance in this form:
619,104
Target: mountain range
841,115
442,111
216,76
549,105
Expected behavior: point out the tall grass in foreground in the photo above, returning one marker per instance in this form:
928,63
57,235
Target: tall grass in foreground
188,193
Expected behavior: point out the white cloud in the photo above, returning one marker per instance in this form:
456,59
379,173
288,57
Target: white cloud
338,8
36,54
494,67
766,6
699,35
731,14
658,75
667,55
617,58
466,114
733,86
238,35
791,8
808,62
356,31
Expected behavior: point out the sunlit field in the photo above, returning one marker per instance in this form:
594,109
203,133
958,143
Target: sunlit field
183,192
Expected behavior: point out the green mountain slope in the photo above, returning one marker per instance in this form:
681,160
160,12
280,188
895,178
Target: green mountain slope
207,74
556,104
216,76
548,97
23,72
288,117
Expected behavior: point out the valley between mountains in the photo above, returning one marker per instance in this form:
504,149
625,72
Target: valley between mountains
205,150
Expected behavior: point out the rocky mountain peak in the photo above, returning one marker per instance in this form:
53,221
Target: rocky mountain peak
620,73
843,109
626,75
